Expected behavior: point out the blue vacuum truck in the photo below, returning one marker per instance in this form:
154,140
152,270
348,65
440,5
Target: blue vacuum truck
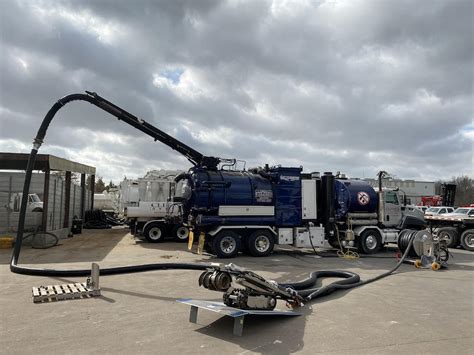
236,210
251,211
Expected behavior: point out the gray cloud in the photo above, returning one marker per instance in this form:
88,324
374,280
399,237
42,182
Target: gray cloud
354,86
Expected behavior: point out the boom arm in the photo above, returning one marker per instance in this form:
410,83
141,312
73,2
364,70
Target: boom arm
158,135
191,154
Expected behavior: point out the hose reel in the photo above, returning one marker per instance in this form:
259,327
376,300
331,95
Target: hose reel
427,250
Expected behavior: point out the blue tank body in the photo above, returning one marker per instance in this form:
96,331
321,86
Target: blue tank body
280,187
227,188
287,191
353,196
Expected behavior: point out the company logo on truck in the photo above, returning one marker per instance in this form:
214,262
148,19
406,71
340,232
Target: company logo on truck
289,178
263,195
363,198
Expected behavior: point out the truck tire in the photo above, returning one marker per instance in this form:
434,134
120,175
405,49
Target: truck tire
180,233
154,232
450,235
260,243
226,244
467,239
369,241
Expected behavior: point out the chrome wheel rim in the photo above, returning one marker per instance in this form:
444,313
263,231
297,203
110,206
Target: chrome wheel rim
470,240
228,245
262,243
371,242
182,232
155,233
446,236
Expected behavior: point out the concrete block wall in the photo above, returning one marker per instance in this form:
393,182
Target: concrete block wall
12,182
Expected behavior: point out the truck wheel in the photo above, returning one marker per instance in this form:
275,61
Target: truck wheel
467,239
260,243
180,233
226,244
450,235
154,232
369,241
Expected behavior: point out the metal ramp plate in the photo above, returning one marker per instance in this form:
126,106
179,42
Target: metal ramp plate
87,289
236,313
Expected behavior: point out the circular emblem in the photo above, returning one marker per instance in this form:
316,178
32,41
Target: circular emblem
363,198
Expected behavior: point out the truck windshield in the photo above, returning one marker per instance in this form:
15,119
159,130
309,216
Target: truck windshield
34,198
391,197
184,191
432,209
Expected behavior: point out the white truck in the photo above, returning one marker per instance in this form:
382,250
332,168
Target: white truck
34,202
147,202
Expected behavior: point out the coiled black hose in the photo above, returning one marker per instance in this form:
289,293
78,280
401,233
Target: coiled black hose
404,239
350,279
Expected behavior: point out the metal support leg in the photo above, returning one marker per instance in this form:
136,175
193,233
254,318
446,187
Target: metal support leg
95,276
193,314
92,283
238,326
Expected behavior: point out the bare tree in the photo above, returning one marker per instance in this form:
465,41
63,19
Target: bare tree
99,186
464,190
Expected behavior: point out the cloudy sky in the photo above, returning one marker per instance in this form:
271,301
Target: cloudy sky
354,86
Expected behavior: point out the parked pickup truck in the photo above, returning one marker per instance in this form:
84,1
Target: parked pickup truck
34,203
433,211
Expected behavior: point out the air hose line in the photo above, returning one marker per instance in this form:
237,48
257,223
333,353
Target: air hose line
305,288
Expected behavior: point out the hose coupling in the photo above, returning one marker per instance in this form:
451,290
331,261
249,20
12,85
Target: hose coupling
37,143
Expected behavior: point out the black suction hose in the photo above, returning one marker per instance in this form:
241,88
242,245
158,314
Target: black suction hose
130,269
14,267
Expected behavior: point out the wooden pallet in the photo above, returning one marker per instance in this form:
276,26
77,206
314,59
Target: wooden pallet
87,289
63,292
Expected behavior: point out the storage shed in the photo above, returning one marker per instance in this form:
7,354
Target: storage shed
62,197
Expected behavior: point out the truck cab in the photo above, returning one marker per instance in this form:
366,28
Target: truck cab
384,225
392,209
34,203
